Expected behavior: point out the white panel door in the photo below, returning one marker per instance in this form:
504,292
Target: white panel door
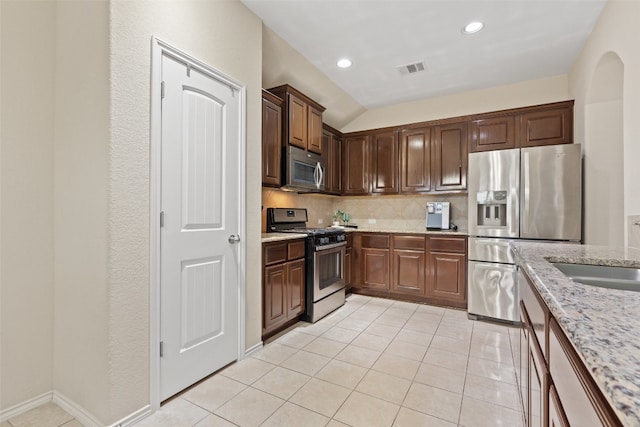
199,200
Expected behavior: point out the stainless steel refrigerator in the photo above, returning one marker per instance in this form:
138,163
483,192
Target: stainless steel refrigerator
530,193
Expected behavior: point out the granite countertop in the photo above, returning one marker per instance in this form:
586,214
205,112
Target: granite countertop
603,324
275,237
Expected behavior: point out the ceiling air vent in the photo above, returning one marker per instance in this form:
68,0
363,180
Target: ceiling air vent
416,67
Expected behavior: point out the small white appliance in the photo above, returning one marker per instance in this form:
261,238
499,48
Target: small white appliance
438,215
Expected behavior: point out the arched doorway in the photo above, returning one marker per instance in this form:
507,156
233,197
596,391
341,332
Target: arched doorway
604,216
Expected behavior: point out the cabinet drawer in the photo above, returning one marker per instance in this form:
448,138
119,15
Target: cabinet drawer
409,242
448,244
274,253
580,398
379,241
295,250
537,312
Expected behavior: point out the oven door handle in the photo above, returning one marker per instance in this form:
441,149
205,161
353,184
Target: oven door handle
332,246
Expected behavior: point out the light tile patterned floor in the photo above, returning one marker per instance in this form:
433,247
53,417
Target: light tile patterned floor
373,362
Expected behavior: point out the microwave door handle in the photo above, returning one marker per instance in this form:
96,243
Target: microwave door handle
321,180
317,175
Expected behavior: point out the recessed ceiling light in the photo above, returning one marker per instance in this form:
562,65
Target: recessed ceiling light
344,63
472,27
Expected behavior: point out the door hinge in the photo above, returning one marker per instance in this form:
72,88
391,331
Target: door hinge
162,90
161,218
161,348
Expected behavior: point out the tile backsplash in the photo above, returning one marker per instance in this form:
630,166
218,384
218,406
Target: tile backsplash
401,212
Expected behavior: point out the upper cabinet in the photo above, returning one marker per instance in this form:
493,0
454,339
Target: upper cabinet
415,160
384,162
547,124
332,153
449,157
271,139
303,119
497,133
355,165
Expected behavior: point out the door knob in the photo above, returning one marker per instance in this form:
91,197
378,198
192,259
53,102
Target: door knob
234,238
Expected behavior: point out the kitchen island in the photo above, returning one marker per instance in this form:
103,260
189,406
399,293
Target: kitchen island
602,325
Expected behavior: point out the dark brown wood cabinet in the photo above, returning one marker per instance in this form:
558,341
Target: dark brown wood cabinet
348,262
549,126
384,162
332,153
556,387
375,261
449,157
355,165
271,139
497,133
403,266
408,265
415,160
303,125
282,284
447,270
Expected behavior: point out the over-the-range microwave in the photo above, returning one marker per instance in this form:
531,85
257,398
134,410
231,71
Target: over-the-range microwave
303,170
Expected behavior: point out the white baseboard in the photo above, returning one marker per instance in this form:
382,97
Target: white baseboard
251,350
73,409
25,406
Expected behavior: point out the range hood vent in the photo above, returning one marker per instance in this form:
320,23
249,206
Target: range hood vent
413,68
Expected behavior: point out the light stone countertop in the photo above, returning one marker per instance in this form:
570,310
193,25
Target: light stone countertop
275,237
603,324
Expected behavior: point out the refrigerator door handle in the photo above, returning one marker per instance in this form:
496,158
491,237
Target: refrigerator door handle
524,220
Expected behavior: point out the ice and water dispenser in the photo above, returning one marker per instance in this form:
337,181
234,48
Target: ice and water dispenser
492,208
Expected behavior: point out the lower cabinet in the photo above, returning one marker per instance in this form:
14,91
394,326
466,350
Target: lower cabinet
556,388
417,267
448,270
283,284
347,262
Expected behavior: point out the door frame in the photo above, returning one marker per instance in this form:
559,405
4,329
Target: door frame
158,49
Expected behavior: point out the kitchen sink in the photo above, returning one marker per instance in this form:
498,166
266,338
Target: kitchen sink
623,278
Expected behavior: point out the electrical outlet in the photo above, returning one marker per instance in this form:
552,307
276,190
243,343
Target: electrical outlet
320,221
372,221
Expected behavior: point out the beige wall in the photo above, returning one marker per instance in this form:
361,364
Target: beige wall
515,95
210,32
81,167
75,189
26,194
616,32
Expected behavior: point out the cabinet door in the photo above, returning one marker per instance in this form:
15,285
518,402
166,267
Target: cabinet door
332,154
298,122
347,268
314,130
547,127
497,133
449,157
447,278
415,160
274,299
295,288
384,162
355,165
271,142
375,268
537,386
556,414
408,272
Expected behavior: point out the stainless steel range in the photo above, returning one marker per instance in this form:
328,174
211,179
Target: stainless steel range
324,260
